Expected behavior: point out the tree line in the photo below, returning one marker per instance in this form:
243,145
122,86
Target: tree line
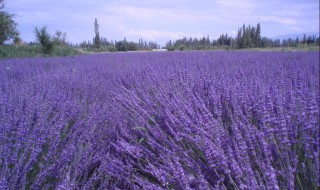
247,37
98,43
102,44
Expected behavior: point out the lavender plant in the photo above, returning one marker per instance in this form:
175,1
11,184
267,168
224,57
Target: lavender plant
164,120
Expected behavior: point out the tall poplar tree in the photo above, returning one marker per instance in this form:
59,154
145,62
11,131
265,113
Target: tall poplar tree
97,40
258,35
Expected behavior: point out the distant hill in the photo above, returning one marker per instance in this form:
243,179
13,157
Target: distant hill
294,36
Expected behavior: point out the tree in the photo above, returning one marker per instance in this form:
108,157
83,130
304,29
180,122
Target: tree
45,39
132,46
60,38
239,39
258,35
97,40
169,46
304,40
122,45
8,27
17,41
296,42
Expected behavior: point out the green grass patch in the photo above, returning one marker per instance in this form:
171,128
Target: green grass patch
10,51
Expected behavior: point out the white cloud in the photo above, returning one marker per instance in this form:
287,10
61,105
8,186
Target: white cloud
158,34
166,19
296,29
155,14
277,19
243,4
232,33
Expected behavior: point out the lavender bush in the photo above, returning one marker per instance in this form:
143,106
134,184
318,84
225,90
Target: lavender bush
165,120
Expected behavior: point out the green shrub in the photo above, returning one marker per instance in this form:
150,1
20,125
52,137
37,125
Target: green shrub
181,48
65,51
112,49
10,51
170,48
45,39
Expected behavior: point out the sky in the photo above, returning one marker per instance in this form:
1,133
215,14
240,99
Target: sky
162,20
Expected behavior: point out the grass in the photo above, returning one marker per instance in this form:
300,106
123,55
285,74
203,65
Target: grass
299,48
9,51
21,51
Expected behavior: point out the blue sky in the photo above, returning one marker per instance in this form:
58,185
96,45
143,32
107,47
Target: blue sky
162,20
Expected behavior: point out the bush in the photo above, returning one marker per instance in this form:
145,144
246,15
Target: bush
181,48
45,39
65,51
10,51
170,48
112,49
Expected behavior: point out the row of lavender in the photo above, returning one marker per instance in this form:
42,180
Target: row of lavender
165,120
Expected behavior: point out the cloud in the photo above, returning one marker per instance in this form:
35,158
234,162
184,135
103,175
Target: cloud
155,14
296,29
158,34
165,19
232,33
278,19
240,5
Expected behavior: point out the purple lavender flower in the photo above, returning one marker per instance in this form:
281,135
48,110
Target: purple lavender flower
167,120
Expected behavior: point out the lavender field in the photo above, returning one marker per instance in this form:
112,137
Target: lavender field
164,120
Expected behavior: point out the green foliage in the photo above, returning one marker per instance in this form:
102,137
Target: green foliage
126,46
112,49
181,48
65,51
17,40
249,37
170,48
19,51
190,44
45,39
8,27
60,38
132,46
10,51
122,45
97,40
